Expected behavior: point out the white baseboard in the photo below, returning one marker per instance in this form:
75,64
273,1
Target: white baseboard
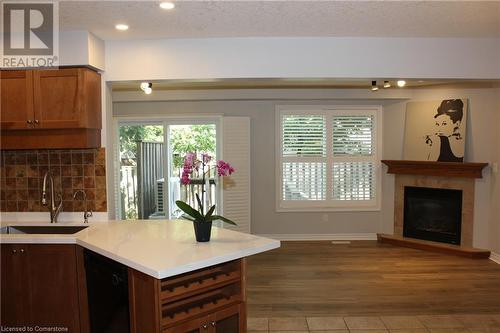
495,257
310,237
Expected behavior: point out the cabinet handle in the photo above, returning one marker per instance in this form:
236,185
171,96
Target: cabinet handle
37,122
22,250
213,323
30,122
205,327
14,251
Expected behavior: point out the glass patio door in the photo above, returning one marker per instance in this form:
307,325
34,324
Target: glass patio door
184,138
141,171
150,160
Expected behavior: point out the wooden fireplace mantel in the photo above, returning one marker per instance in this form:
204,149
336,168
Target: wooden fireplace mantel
442,169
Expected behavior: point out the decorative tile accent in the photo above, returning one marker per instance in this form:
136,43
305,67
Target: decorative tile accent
401,322
258,324
364,323
326,323
22,171
288,324
441,321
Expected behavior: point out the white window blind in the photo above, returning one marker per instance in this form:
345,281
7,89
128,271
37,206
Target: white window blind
328,158
236,195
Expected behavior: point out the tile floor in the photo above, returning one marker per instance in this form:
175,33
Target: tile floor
473,323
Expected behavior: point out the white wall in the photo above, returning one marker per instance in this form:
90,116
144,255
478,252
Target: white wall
79,47
472,58
265,220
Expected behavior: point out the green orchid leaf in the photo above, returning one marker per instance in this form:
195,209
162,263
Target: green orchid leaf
187,217
210,211
200,205
189,210
222,218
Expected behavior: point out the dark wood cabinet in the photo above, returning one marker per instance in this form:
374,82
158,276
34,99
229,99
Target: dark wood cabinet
45,285
53,108
227,320
40,286
207,300
16,93
15,305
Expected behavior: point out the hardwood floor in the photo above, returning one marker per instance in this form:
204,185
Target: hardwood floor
366,278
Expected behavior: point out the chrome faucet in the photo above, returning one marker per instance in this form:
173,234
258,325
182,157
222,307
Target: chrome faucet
86,214
53,208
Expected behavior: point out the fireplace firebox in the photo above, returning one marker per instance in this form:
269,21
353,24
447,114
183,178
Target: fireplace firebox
433,214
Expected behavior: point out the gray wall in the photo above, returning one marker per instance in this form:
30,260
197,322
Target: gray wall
259,105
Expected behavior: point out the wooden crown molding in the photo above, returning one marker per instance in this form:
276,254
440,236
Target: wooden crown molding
431,168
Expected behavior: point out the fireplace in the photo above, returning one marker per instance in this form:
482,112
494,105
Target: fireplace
433,214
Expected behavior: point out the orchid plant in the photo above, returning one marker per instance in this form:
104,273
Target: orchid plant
203,165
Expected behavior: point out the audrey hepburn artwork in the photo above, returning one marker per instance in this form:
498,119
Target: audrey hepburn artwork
435,131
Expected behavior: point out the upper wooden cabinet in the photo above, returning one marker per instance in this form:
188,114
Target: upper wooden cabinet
60,100
17,99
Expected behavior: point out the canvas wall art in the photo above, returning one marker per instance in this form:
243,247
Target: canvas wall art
435,130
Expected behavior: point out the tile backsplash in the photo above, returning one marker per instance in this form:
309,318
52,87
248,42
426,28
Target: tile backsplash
22,171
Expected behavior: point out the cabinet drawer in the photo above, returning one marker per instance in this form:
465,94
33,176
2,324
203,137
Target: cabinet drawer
200,304
201,280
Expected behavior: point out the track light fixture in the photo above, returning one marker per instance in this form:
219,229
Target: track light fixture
374,86
147,87
387,84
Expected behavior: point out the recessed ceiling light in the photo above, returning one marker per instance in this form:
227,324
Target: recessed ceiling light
401,83
374,86
167,5
387,84
121,27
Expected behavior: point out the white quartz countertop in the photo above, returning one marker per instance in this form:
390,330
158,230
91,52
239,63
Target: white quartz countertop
160,248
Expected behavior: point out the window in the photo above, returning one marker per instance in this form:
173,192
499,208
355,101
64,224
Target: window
328,158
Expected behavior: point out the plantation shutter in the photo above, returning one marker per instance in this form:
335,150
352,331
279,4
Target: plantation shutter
236,188
328,157
353,150
303,140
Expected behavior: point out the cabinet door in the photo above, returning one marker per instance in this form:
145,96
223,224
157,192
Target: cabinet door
52,270
229,320
16,89
58,98
15,286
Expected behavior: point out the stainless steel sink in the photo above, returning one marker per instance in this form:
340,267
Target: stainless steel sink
41,229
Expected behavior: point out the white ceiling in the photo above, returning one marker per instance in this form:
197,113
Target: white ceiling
202,19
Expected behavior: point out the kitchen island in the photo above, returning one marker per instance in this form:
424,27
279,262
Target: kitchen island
171,282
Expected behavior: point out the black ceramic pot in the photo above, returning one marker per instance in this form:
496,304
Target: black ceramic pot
202,230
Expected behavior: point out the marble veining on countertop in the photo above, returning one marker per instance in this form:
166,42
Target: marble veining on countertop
159,248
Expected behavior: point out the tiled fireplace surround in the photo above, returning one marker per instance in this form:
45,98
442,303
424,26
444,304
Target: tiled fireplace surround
22,171
466,185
